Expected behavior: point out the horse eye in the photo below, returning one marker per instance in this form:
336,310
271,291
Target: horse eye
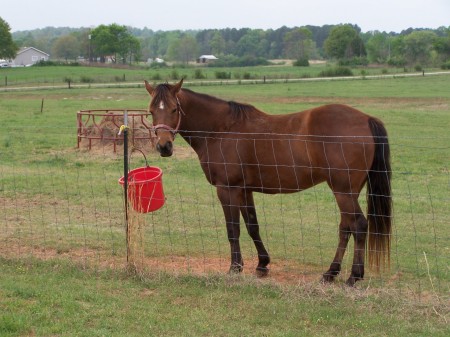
174,110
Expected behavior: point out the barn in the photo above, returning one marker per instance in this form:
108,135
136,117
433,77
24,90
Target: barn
206,58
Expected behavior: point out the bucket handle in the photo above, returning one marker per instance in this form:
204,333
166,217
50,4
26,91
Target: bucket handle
142,152
136,149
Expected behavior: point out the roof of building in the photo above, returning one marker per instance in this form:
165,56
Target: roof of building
208,57
28,48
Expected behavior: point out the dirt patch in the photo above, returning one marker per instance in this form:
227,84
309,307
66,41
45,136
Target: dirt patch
283,272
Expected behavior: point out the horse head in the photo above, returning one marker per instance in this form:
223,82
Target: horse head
166,113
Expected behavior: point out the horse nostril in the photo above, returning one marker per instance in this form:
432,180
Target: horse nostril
166,149
169,146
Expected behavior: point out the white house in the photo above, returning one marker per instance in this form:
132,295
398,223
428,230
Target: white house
29,55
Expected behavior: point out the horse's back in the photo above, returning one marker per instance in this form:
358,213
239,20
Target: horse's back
327,143
332,120
287,153
340,145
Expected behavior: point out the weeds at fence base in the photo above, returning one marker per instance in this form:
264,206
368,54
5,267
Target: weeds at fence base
135,242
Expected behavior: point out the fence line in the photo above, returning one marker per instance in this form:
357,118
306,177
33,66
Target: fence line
263,80
68,204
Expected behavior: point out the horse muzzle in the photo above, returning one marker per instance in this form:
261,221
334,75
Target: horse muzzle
165,150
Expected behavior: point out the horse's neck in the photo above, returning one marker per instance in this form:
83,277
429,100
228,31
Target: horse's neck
202,114
201,119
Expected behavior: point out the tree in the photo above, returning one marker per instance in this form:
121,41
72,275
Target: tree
253,44
442,44
344,42
66,47
134,51
396,53
156,45
378,47
8,49
184,49
84,42
217,44
418,46
25,40
113,40
298,43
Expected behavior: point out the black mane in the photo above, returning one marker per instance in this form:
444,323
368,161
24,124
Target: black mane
240,110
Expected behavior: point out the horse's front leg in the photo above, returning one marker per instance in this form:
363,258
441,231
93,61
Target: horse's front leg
248,212
230,200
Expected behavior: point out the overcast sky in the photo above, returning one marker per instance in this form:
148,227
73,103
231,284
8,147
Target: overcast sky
383,15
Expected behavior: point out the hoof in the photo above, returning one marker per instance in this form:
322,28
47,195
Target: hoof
327,278
352,280
235,269
262,271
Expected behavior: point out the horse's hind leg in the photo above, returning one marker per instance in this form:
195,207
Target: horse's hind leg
230,201
359,235
352,222
335,267
248,212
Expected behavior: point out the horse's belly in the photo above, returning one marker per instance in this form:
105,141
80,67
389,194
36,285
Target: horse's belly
282,179
268,167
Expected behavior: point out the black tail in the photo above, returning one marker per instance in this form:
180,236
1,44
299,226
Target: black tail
379,200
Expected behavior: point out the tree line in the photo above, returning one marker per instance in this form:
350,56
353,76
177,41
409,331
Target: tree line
345,43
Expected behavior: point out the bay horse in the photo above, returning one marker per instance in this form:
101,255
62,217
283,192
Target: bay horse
244,150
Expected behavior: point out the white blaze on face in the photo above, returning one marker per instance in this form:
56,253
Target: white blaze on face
161,105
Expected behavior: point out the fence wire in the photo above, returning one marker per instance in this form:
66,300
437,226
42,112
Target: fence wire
67,204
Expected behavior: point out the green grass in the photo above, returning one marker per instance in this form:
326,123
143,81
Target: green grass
59,203
58,298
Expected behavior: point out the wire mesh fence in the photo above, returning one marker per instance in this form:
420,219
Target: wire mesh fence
68,204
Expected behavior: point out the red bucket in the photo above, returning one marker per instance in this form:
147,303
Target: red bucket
145,189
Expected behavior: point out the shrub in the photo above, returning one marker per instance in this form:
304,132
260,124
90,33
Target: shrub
446,65
198,74
174,75
302,62
223,75
156,65
397,61
86,79
43,63
418,67
119,78
245,61
354,61
156,77
336,72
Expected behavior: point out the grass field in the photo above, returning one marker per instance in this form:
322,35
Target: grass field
63,245
57,76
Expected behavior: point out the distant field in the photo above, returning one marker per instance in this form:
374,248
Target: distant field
55,76
62,213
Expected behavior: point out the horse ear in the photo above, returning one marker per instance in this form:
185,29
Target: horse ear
176,88
149,88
